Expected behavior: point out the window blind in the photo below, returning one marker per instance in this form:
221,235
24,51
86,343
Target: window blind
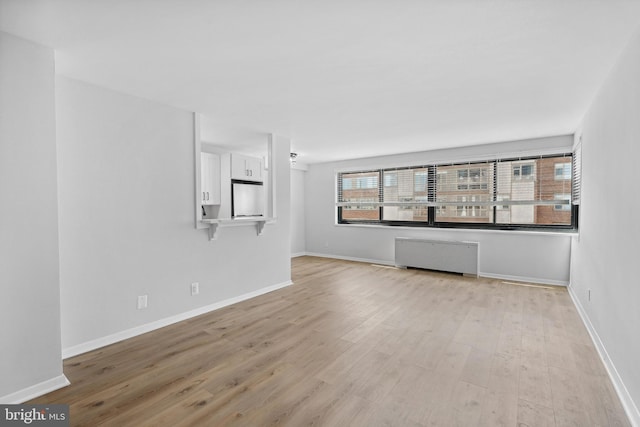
359,195
529,190
576,174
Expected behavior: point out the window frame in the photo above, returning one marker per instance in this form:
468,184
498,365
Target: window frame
562,196
520,168
564,166
433,180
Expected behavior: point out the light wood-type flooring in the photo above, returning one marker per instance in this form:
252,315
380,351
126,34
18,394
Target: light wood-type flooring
353,344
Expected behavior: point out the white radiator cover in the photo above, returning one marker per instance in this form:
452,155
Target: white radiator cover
443,255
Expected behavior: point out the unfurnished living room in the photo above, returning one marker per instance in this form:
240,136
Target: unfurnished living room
354,213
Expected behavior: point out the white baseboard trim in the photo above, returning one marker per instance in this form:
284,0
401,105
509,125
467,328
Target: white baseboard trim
298,254
536,280
349,258
488,275
35,390
139,330
625,398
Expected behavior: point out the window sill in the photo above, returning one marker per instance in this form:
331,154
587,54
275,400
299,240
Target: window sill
568,233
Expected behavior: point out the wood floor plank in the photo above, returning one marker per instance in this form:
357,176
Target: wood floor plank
318,405
370,324
315,351
509,342
533,350
336,370
391,414
427,349
349,411
463,409
184,412
602,402
534,415
535,385
499,409
559,352
387,339
376,383
505,373
256,393
587,359
280,411
409,393
355,344
477,369
568,398
165,377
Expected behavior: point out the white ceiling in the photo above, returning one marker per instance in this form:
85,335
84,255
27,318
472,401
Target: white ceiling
345,78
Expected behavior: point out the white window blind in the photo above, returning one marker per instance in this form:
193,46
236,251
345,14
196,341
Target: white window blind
359,195
534,191
576,172
464,192
406,195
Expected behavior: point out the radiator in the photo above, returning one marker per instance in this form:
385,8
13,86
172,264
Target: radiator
443,255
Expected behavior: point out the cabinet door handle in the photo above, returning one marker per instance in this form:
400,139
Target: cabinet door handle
207,195
203,196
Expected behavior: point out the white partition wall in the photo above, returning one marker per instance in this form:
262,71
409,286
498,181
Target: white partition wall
604,274
30,358
126,221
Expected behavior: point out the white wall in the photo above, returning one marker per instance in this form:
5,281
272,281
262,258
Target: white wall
126,181
298,220
605,258
539,257
30,300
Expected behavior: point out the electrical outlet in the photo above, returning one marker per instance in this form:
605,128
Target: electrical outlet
195,288
142,302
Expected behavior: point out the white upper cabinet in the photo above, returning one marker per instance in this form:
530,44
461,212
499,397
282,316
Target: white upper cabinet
209,179
246,168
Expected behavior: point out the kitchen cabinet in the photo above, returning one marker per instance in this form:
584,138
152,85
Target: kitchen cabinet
209,179
246,168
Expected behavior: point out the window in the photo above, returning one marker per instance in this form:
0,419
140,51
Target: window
564,207
503,193
470,210
501,199
562,171
405,200
472,184
359,182
523,171
391,179
420,181
360,191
